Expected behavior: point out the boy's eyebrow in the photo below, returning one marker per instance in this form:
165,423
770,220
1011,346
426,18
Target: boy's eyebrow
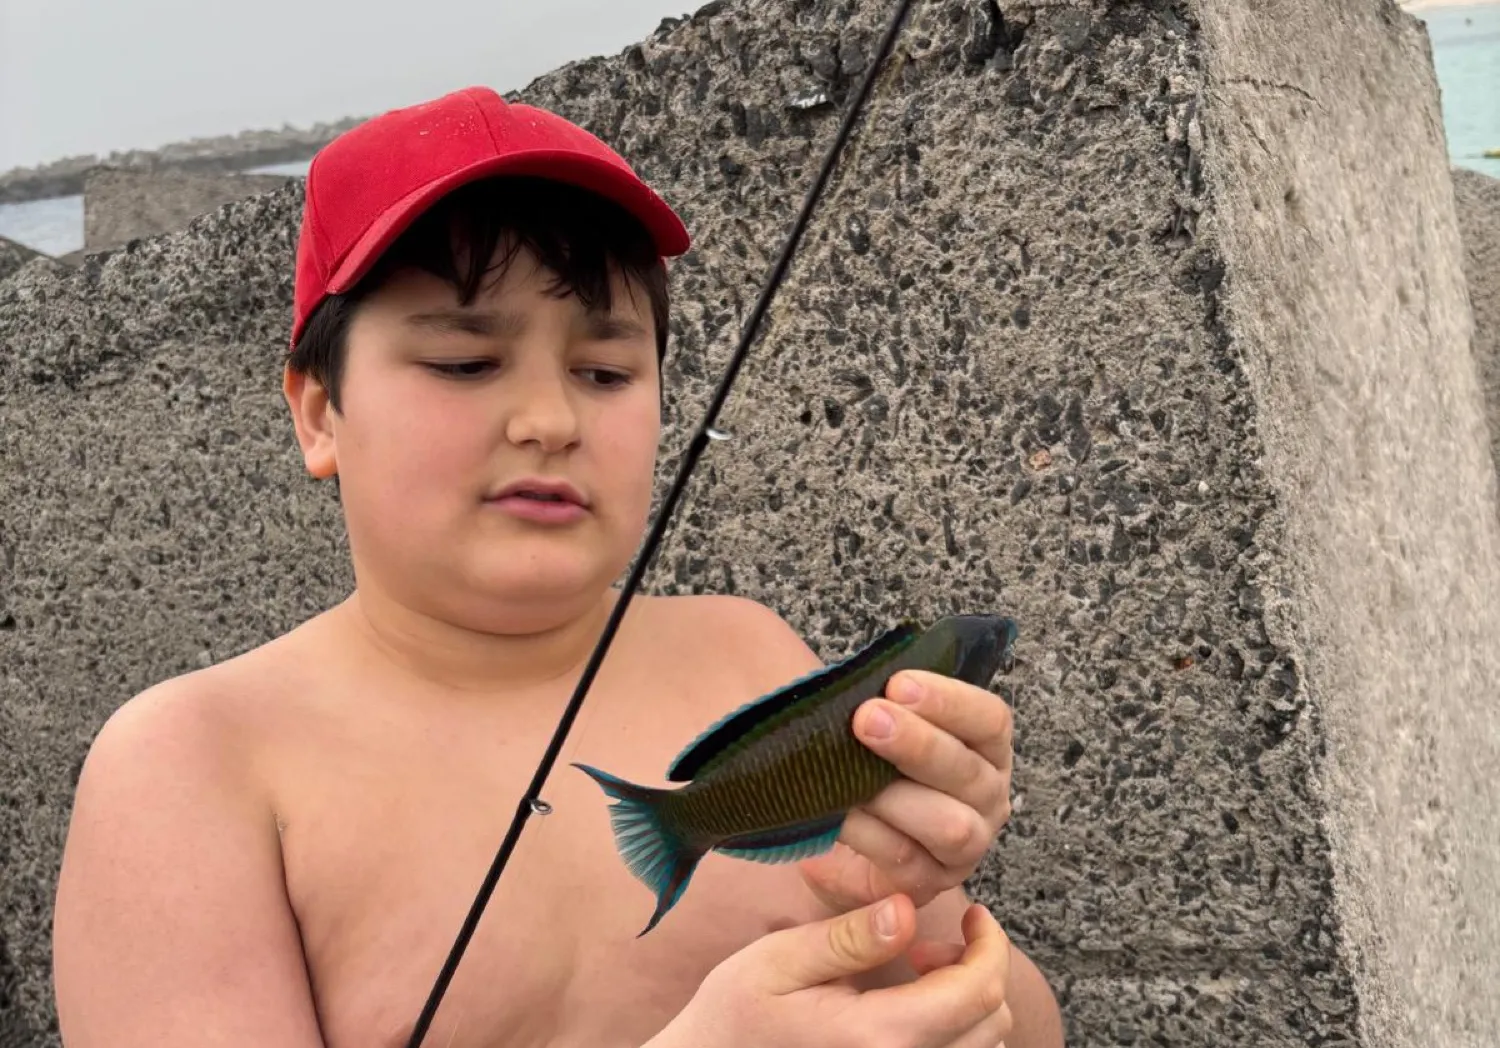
494,324
469,321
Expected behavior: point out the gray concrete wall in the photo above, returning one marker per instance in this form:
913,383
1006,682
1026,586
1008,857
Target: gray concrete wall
120,205
1477,198
1108,320
1345,295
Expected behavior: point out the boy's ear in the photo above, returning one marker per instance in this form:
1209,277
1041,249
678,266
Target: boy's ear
312,415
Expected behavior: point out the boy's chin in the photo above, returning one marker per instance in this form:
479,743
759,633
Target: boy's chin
533,599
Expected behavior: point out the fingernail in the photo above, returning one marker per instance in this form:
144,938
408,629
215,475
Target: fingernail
905,691
885,920
879,724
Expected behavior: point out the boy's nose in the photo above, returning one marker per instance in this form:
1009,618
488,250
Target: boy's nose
543,414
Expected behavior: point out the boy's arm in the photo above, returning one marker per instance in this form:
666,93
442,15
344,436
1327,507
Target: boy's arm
172,925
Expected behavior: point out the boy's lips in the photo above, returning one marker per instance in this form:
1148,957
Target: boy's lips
542,489
541,500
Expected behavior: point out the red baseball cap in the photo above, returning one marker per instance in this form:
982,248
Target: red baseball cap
368,185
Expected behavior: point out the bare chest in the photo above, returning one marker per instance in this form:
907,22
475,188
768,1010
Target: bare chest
383,859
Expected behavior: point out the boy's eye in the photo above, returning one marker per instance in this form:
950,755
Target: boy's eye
605,377
461,368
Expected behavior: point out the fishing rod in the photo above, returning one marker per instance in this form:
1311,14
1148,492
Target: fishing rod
531,802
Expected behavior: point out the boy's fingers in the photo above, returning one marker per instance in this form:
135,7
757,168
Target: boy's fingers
989,1032
956,997
903,860
975,716
927,956
955,835
816,953
982,930
925,751
987,954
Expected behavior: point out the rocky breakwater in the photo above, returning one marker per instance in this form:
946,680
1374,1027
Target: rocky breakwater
224,154
1108,321
13,256
120,206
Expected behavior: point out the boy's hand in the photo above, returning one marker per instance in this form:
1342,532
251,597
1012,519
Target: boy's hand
792,988
926,832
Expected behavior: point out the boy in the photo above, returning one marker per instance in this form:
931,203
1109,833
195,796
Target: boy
278,850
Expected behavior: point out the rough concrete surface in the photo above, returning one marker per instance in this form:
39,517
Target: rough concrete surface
1346,301
120,205
1142,322
1477,197
13,256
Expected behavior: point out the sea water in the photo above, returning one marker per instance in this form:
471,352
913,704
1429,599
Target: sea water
1465,54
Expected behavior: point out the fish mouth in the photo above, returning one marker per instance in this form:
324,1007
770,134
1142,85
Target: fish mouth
986,647
541,489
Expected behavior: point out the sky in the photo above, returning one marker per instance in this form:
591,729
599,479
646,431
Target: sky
85,77
92,76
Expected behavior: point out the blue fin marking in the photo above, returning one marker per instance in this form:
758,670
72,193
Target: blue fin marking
735,725
657,857
789,844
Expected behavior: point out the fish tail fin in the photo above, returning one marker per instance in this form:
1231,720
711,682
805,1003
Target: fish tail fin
658,857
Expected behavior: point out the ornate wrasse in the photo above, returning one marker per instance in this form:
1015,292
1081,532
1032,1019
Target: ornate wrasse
773,781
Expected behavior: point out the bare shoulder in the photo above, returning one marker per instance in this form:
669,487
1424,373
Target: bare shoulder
171,920
724,616
737,634
177,722
202,728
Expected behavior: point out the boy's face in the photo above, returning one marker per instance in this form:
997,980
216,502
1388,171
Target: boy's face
443,406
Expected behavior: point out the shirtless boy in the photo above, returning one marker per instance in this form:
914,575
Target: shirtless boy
278,850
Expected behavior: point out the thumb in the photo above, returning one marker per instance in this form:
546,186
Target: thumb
816,953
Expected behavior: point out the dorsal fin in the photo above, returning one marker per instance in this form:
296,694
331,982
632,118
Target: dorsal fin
734,726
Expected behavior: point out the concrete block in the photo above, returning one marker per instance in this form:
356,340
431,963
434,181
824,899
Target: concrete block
1145,323
121,205
13,256
1477,197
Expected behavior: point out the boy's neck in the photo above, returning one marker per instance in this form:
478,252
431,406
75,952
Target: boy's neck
452,658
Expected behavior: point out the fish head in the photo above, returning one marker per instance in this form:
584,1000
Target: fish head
982,646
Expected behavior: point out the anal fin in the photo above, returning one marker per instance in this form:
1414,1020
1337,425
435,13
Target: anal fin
787,843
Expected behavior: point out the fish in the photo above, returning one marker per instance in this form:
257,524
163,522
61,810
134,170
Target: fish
772,781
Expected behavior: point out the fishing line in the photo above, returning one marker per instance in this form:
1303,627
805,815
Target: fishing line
531,802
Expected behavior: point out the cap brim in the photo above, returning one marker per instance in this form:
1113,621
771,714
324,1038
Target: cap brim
586,172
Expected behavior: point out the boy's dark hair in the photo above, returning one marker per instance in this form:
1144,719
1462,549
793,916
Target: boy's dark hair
577,235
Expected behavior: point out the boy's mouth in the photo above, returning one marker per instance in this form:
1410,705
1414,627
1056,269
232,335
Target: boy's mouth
541,490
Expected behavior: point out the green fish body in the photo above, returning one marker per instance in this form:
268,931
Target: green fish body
773,781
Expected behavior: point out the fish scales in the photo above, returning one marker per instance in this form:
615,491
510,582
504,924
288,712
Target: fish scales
773,781
809,768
